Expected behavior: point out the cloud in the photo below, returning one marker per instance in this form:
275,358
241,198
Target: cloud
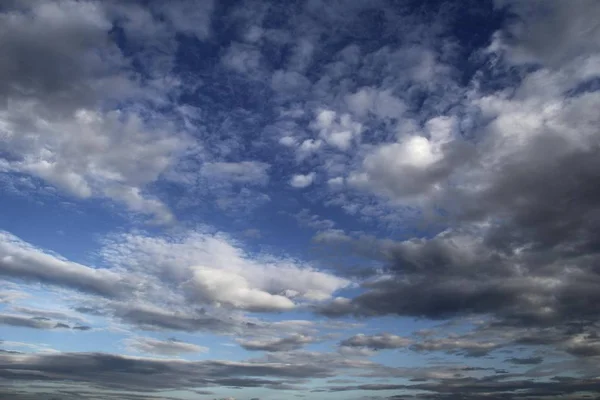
215,270
460,162
170,347
550,32
416,165
21,260
153,318
382,103
305,218
281,344
107,371
583,345
377,342
45,313
241,172
189,17
230,288
82,328
252,233
300,181
61,123
374,386
337,131
456,345
27,322
243,59
525,361
146,269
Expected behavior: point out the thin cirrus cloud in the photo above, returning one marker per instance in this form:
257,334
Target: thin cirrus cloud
318,199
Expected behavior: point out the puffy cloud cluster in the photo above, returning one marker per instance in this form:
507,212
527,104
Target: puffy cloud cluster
195,268
518,201
64,110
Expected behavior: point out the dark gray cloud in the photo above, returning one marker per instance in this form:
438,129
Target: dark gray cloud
45,313
106,371
280,344
492,387
24,261
67,64
525,361
374,386
29,322
82,328
518,244
153,319
466,345
51,393
377,342
468,348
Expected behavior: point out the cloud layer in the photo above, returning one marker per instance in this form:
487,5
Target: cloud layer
382,200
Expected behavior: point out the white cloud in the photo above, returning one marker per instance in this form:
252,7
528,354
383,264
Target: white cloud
305,218
231,288
397,169
379,102
336,183
215,270
58,116
338,131
411,167
289,82
243,58
307,148
287,141
111,154
302,181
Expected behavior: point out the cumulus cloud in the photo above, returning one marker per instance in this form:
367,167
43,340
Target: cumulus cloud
230,288
300,181
216,270
415,165
185,272
338,131
382,103
60,122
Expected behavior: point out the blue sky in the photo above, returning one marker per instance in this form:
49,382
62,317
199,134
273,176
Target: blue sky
306,199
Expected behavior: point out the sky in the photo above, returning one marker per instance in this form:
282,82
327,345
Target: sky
309,199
